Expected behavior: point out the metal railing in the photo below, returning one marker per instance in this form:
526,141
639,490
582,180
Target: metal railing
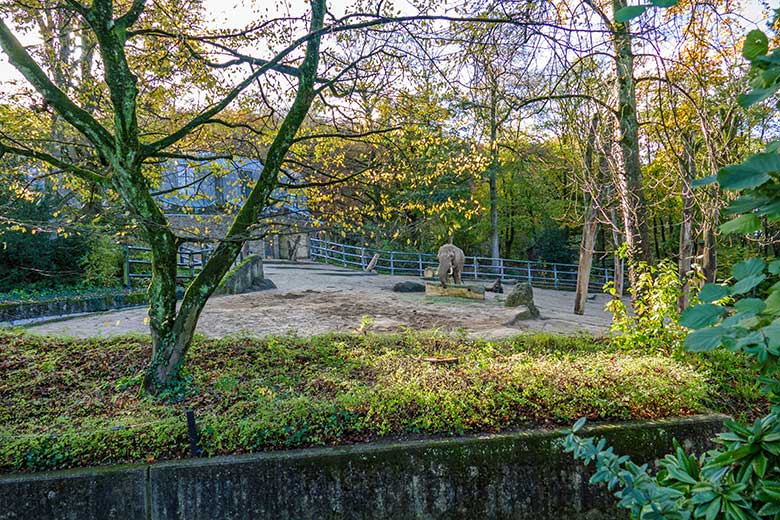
138,263
539,274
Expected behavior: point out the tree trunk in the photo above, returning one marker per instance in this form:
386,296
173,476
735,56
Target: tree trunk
590,225
656,242
492,174
124,153
171,332
688,169
709,261
617,241
631,192
589,229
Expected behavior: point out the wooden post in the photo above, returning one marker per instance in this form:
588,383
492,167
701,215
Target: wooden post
372,263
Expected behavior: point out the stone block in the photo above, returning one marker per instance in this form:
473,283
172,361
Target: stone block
457,291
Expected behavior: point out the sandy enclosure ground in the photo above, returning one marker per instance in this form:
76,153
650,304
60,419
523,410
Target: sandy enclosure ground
314,298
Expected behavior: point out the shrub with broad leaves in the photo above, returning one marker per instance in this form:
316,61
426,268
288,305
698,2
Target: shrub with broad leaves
741,478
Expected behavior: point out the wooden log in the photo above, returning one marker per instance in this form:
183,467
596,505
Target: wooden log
372,263
458,291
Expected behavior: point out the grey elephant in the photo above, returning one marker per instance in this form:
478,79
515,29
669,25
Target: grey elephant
451,260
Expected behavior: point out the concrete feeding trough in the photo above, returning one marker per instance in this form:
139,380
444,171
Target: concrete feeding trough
458,291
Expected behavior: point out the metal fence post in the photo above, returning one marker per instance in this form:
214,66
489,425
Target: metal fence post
419,262
528,267
363,258
555,274
344,255
501,267
392,265
127,268
476,268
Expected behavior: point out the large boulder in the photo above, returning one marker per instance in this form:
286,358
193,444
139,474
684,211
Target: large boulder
523,294
409,286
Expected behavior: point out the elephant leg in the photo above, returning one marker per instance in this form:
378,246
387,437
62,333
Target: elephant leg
456,276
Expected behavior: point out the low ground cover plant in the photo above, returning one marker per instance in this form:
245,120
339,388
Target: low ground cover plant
66,403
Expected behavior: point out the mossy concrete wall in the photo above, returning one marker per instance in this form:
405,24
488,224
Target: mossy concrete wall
242,277
524,475
18,311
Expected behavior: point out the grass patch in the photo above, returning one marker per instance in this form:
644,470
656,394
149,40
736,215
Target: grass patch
67,402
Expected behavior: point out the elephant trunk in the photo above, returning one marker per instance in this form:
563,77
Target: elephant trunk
445,268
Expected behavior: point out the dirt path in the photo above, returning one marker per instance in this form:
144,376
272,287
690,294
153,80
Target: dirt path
314,298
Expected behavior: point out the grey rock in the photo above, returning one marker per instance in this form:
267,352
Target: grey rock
525,314
409,286
523,294
263,285
495,287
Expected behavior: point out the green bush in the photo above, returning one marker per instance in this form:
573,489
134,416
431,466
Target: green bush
102,262
652,322
30,255
739,480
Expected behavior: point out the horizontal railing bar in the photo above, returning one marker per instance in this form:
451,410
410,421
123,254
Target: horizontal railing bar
544,274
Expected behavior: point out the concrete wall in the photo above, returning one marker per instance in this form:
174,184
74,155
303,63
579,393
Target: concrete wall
518,475
16,312
242,277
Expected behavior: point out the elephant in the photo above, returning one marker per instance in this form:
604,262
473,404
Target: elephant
451,260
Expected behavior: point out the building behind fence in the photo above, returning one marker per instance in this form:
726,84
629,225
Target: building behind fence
540,274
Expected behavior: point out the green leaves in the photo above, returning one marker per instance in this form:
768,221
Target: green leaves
746,268
743,286
702,315
755,96
756,44
743,225
751,173
632,11
704,340
627,13
704,181
749,274
711,292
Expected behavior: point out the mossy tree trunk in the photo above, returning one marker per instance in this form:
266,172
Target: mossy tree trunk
125,153
590,222
688,168
631,194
